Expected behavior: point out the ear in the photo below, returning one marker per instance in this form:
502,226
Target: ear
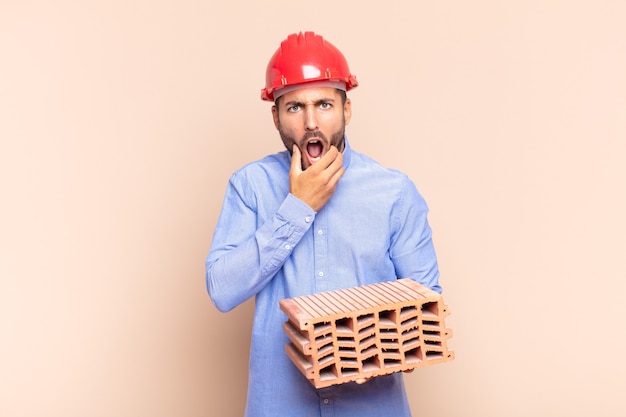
347,111
275,116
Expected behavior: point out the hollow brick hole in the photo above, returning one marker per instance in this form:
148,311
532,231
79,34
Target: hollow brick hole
371,364
430,308
414,355
329,373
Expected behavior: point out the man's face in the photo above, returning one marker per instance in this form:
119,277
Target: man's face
314,119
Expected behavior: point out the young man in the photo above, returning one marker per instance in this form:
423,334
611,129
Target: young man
316,217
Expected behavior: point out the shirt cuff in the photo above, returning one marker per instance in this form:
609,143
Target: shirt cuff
297,212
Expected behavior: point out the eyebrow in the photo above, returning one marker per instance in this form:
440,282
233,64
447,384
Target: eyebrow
292,103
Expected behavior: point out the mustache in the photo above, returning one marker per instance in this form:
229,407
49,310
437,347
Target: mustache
316,134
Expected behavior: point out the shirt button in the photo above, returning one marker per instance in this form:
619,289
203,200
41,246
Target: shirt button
321,273
320,232
326,400
307,219
287,246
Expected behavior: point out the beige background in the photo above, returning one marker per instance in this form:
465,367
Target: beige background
120,123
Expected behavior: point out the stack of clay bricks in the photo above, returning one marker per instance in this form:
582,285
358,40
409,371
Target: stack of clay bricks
368,331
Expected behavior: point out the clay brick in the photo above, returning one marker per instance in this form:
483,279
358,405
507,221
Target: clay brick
368,331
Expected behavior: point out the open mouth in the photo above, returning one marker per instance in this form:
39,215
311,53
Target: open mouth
314,150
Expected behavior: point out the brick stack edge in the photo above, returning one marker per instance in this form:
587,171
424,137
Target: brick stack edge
368,331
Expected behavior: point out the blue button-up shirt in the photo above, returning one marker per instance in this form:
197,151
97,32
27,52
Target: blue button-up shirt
271,245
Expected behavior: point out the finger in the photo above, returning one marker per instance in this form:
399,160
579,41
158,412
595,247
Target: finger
335,168
336,175
296,161
332,160
332,155
326,160
338,161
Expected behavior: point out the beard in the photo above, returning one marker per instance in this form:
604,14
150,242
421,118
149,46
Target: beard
336,138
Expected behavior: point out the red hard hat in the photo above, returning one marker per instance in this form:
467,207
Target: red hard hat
303,58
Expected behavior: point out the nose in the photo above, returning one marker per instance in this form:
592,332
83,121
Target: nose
310,119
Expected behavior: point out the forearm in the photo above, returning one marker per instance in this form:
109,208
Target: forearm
413,252
237,268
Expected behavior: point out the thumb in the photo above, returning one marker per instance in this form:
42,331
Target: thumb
296,161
